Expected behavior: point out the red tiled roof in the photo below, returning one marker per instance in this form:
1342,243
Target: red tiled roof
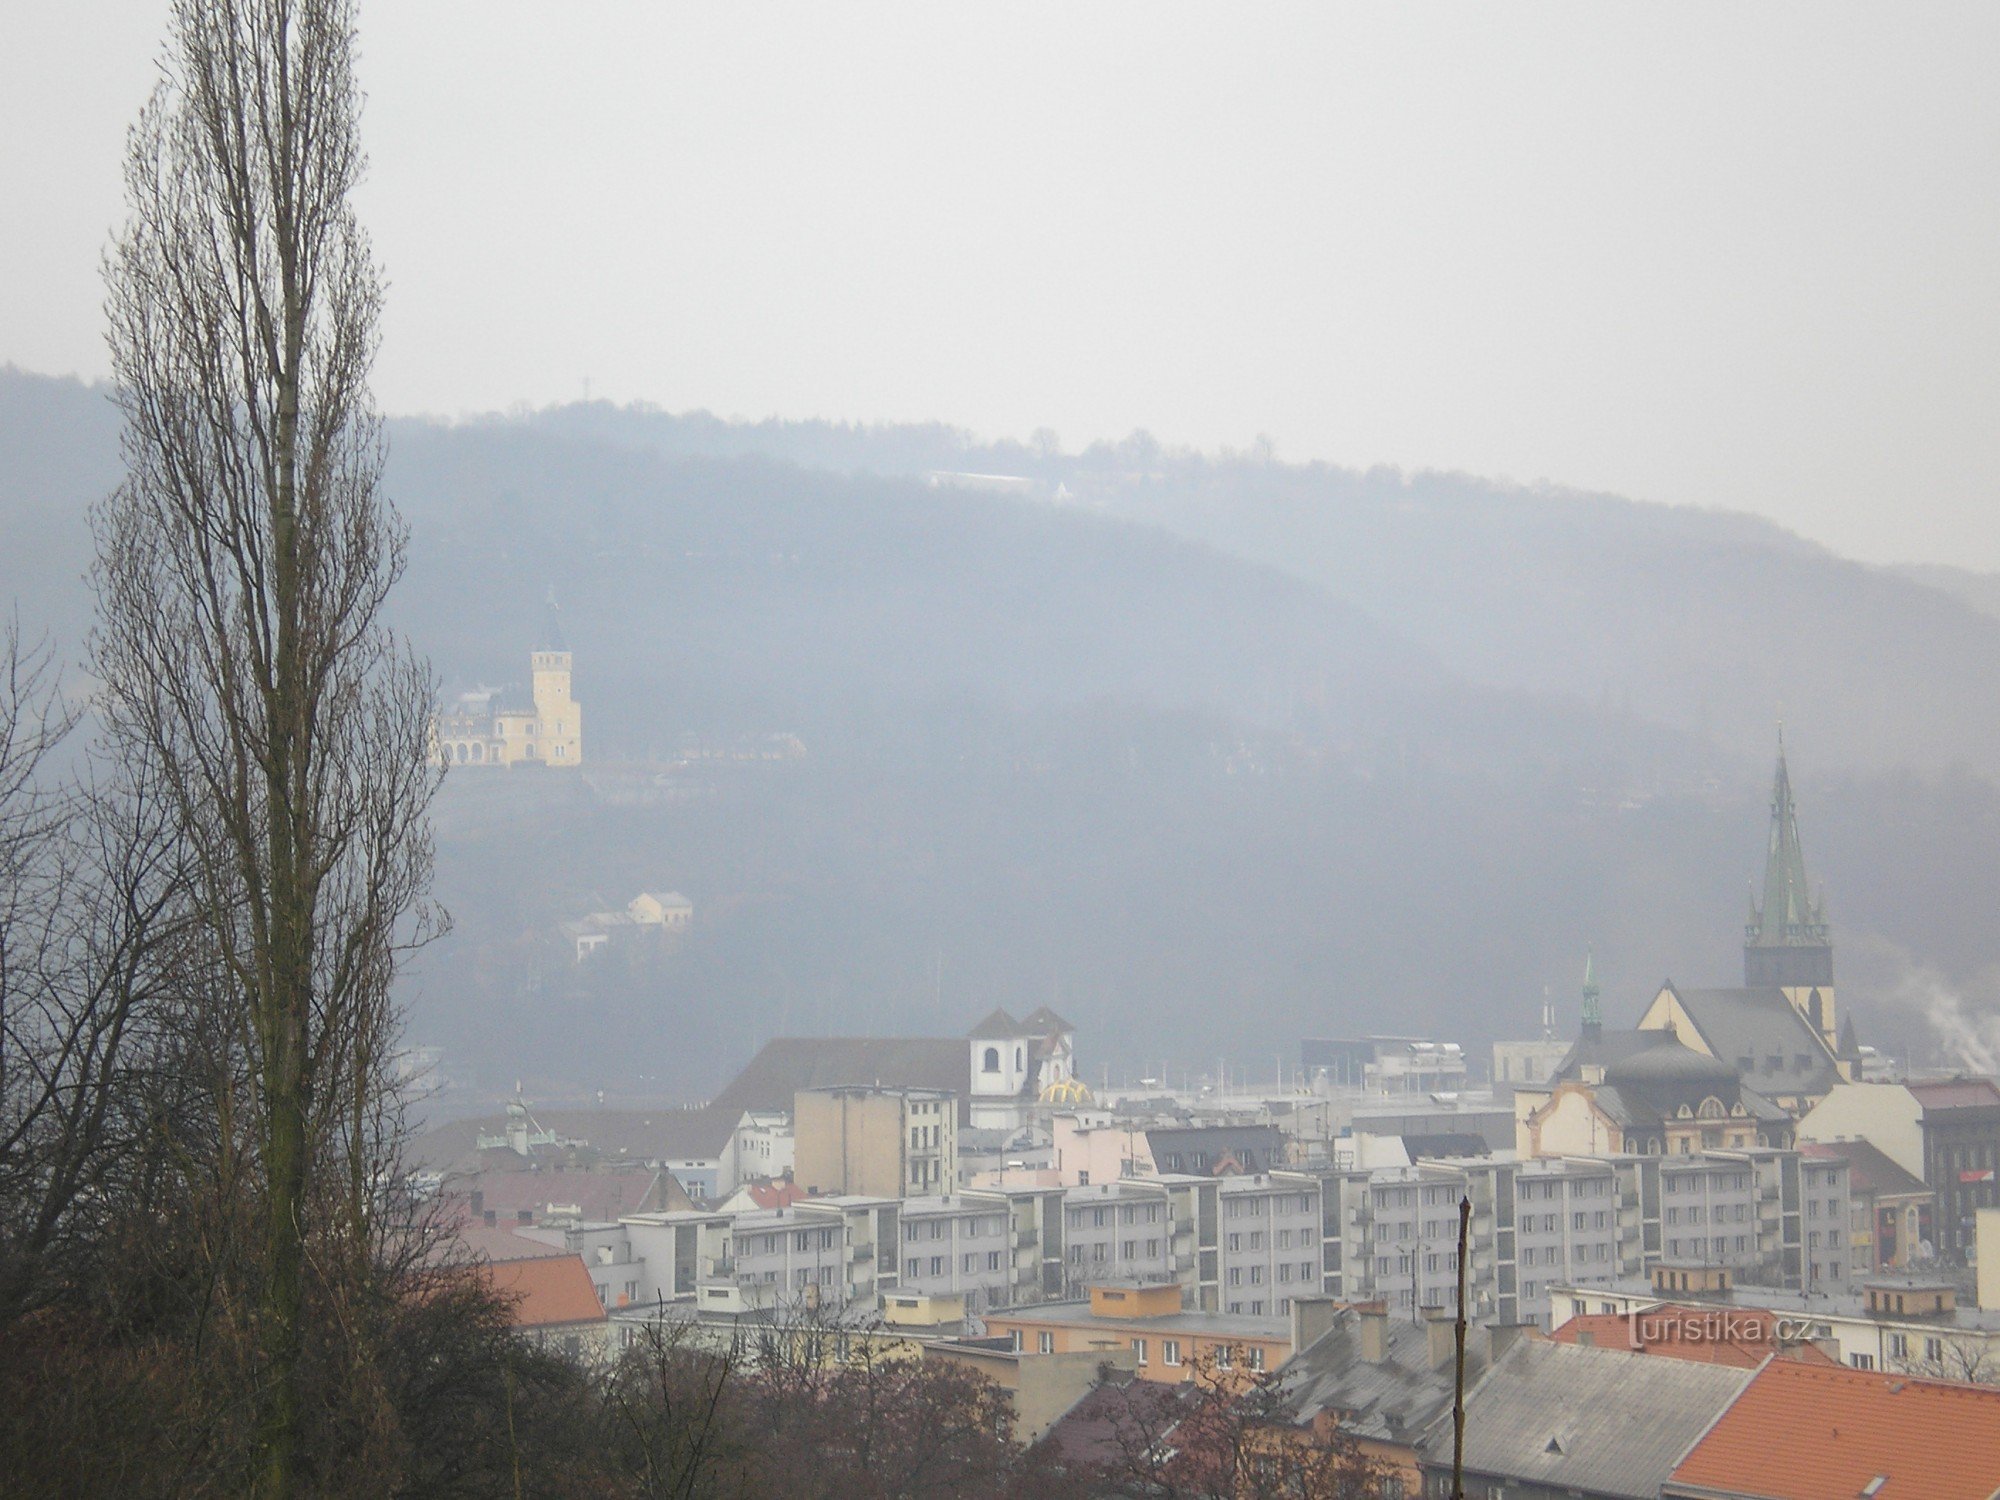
1957,1093
1825,1432
1739,1337
554,1289
780,1194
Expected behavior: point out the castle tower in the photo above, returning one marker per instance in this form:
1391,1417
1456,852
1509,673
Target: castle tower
1787,943
558,716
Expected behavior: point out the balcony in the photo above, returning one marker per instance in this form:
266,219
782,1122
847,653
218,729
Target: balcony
721,1265
1026,1238
863,1252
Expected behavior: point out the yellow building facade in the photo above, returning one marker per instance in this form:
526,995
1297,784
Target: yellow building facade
495,727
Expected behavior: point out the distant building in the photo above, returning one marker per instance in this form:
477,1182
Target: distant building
502,727
1169,1344
875,1142
1385,1064
661,917
1894,1214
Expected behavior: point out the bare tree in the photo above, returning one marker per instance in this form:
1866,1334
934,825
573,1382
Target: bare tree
242,570
91,920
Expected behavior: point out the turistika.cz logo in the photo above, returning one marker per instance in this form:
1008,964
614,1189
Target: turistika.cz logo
1713,1326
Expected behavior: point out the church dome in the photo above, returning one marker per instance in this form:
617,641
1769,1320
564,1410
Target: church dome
1669,1063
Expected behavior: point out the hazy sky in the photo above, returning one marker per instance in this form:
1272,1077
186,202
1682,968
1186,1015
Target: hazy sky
1732,255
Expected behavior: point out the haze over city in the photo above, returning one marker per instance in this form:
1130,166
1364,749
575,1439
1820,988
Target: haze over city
1703,254
889,751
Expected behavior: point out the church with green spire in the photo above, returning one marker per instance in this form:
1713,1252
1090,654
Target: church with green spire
1786,942
1781,1031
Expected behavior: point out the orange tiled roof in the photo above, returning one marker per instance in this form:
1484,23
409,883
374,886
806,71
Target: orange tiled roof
1825,1432
781,1193
1741,1337
550,1290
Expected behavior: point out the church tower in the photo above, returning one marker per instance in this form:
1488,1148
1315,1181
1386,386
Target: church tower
1787,944
558,716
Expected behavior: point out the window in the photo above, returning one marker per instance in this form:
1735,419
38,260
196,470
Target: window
1170,1351
1139,1348
910,1269
1257,1353
991,1062
1862,1361
1222,1357
1046,1342
937,1265
992,1260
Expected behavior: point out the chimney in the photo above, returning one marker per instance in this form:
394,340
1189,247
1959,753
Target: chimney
1500,1337
1374,1332
1440,1336
1311,1318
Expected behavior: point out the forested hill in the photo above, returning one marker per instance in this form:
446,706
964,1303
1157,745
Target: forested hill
1717,624
1061,748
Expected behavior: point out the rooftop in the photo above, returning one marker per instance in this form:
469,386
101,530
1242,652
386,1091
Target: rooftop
1597,1421
546,1291
1814,1432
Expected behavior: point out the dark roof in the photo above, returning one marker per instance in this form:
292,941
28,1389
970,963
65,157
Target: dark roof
1116,1420
1671,1065
997,1026
1598,1421
1389,1400
1761,1024
644,1135
1045,1022
1869,1170
785,1065
1605,1049
1957,1093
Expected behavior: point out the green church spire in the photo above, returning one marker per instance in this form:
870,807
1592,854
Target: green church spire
1593,1014
1788,917
1786,941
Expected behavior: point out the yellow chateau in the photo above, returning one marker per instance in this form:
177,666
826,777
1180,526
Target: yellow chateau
496,727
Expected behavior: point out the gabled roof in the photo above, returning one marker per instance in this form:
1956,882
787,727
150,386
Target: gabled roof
1045,1022
1825,1432
1602,1421
1761,1024
785,1065
546,1292
1389,1400
998,1026
1869,1170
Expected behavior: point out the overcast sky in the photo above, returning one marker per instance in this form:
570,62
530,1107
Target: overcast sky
1731,255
